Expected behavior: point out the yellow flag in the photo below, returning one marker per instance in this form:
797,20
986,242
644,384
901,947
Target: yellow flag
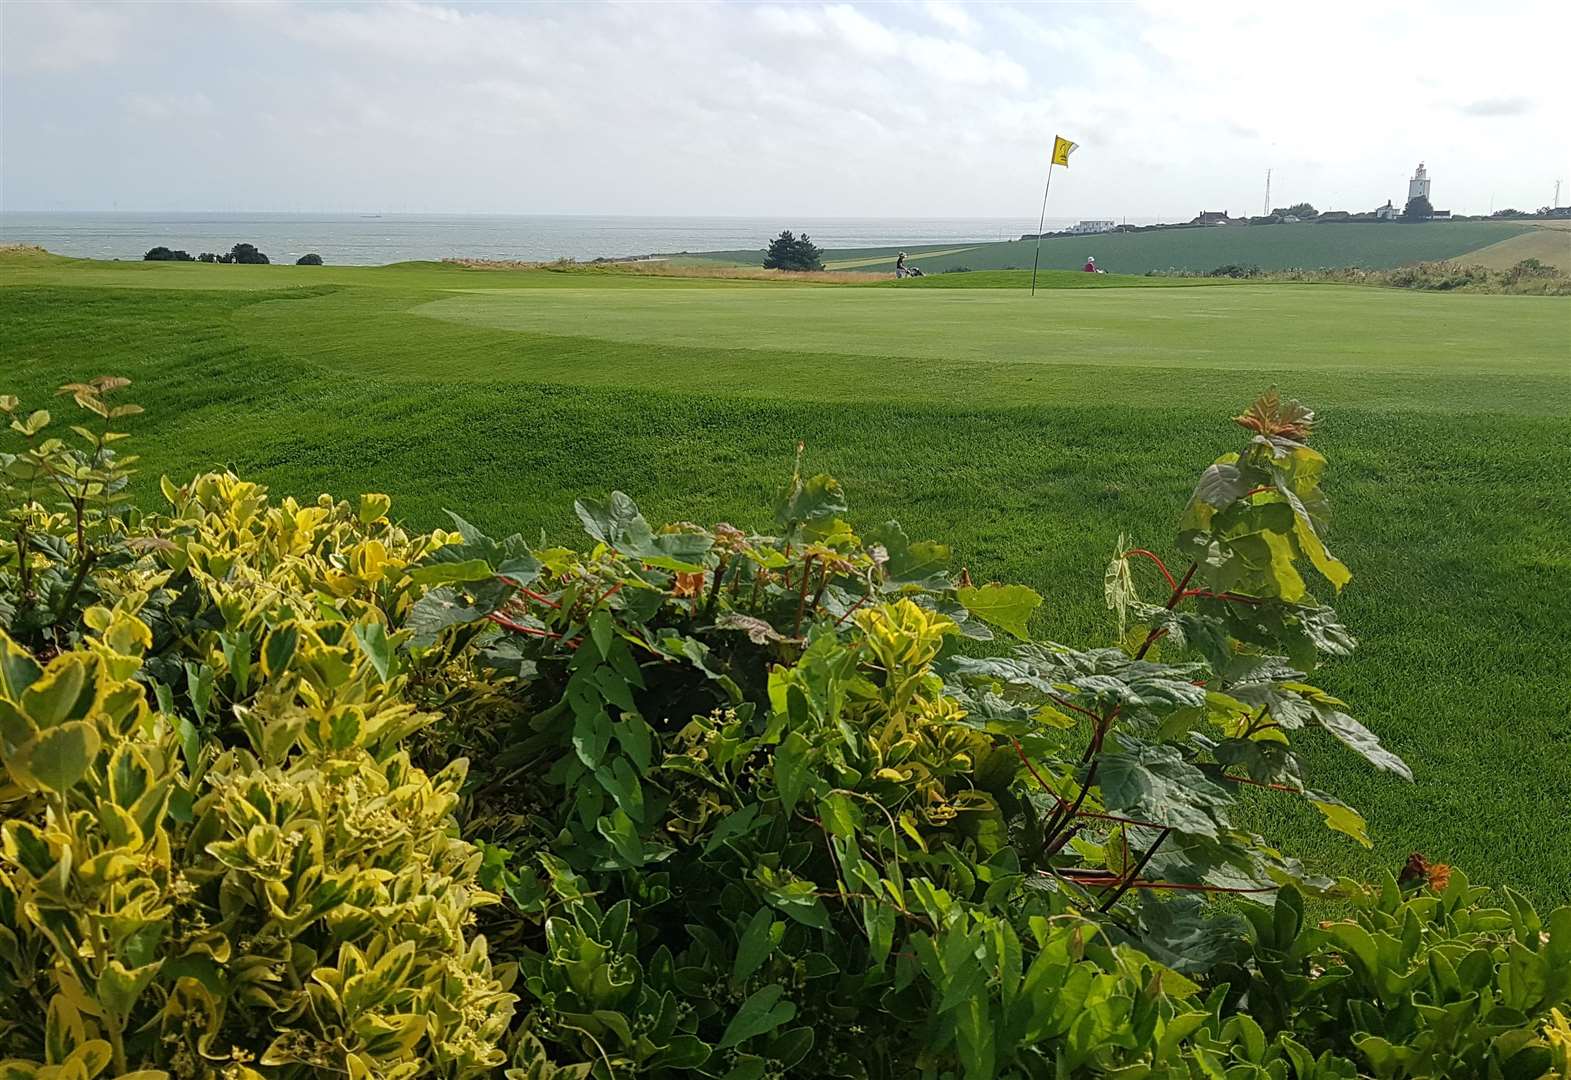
1062,148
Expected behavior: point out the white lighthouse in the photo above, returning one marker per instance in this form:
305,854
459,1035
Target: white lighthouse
1418,186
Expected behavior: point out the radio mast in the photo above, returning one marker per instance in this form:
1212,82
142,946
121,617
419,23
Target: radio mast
1267,211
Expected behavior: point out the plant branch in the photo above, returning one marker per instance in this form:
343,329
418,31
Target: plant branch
1172,602
1134,874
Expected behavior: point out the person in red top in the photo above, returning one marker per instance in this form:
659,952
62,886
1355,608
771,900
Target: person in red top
1090,266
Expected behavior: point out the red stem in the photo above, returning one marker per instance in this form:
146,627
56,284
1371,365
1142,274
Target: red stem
1172,602
603,597
536,597
1261,784
519,628
1032,770
852,609
1077,708
1104,877
1232,598
1160,565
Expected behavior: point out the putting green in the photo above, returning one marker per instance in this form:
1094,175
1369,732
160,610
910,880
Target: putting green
1298,327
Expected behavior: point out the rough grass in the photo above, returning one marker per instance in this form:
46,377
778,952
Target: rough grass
1028,433
1549,245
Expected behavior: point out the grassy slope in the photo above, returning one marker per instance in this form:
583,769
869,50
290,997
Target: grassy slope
1030,453
1546,243
1274,247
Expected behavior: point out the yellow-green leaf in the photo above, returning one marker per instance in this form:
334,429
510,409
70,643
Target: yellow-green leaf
57,759
1007,606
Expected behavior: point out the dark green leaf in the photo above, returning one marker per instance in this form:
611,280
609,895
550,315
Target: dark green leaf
760,1014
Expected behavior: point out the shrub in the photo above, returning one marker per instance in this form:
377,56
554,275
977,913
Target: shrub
309,259
1235,270
791,252
163,254
245,254
754,805
61,521
765,753
298,903
207,257
1426,979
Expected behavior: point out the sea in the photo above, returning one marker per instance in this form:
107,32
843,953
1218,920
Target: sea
370,239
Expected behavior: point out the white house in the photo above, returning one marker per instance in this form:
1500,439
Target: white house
1093,227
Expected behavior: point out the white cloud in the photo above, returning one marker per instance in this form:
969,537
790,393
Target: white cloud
836,108
61,36
950,16
178,106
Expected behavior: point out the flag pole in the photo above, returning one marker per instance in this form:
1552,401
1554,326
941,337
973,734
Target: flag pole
1037,258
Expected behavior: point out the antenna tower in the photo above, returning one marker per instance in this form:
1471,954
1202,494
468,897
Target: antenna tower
1267,211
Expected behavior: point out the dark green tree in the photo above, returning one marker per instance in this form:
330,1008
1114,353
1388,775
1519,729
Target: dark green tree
309,259
247,253
1302,211
1418,209
163,254
207,257
791,252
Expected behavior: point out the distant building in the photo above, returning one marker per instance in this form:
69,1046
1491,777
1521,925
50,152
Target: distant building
1388,212
1093,227
1291,219
1418,185
1211,217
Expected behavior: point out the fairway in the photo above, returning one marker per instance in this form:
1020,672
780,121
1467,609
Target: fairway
1029,432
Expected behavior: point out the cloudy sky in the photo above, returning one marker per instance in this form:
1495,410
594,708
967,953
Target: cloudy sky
890,109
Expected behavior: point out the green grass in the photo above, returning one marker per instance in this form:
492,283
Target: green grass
1028,432
1274,247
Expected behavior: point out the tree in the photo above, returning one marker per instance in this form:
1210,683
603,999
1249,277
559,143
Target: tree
790,252
163,254
207,257
309,259
1418,209
247,254
1302,211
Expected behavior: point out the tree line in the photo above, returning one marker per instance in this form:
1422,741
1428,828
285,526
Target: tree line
244,254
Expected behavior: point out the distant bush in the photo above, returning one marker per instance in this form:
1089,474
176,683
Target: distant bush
1529,277
1302,211
791,252
311,259
1235,270
163,254
207,257
1418,208
246,254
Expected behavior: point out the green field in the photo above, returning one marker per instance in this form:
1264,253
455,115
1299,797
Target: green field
1272,247
1029,432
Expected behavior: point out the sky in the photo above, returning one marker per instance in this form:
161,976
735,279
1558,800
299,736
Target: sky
919,109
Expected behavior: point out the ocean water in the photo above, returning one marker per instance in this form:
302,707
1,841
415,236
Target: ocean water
373,239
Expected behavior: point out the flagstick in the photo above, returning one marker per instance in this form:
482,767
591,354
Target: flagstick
1039,226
